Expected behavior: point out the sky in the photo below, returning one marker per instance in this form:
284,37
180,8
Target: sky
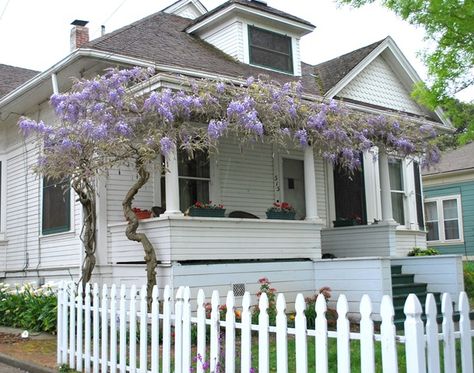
35,34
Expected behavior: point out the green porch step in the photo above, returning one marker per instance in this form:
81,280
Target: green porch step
415,288
396,269
403,278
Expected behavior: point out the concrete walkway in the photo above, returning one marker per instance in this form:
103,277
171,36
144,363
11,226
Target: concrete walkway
8,369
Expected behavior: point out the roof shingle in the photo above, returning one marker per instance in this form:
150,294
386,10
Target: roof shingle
454,160
12,77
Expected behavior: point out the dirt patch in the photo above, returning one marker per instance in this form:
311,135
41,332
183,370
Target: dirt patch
37,351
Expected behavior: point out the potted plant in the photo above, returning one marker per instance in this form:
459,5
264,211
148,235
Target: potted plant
347,222
141,214
282,211
208,210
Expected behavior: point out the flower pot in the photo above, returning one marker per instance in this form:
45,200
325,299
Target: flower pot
143,214
207,213
280,215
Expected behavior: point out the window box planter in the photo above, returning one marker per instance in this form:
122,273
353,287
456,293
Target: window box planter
345,223
206,213
281,215
143,215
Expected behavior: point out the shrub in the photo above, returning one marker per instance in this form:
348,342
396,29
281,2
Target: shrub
418,251
29,308
271,295
469,280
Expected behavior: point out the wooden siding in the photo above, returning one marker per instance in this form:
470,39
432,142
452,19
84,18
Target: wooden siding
228,39
354,278
443,273
408,239
466,190
378,84
359,241
186,238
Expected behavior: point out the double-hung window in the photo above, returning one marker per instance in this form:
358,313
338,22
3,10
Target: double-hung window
395,169
270,49
56,213
444,219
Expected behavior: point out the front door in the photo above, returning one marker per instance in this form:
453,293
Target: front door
293,185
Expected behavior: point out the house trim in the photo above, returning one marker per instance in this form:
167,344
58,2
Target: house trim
178,5
439,208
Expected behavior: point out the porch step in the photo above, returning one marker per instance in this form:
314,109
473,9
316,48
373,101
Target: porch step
404,278
396,269
399,300
405,289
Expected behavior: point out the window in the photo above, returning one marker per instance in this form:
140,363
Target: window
194,179
418,195
444,219
270,49
56,206
395,170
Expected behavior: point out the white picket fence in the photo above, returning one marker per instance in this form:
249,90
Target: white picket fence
100,333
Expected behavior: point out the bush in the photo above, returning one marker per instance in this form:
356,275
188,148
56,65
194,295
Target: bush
418,251
28,308
469,280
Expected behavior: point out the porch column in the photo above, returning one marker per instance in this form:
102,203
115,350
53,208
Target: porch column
311,200
172,184
385,193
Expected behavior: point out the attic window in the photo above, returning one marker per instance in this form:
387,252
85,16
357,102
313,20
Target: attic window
269,49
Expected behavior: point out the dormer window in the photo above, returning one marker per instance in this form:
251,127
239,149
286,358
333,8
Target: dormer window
270,49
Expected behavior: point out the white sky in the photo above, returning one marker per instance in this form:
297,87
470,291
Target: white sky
35,34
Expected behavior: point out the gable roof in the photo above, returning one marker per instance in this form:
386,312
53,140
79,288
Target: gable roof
12,77
254,5
455,160
160,39
329,73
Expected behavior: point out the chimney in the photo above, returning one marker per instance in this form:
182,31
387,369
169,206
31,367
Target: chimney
79,34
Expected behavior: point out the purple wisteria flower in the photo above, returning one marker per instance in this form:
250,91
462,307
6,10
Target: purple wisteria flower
166,145
216,128
302,137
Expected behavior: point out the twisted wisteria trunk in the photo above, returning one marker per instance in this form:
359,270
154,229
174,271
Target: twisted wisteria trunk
131,231
86,194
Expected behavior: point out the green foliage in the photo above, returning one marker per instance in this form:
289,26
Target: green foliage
28,308
265,288
418,251
469,280
449,28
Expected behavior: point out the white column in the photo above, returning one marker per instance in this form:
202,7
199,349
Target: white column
172,184
311,199
385,194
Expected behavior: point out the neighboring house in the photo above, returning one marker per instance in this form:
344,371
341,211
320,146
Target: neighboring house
39,234
448,189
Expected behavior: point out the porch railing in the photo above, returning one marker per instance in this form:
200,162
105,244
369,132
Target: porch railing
113,330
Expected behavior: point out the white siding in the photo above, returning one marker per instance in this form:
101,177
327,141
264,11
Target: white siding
118,183
359,241
408,239
354,278
378,84
228,39
245,176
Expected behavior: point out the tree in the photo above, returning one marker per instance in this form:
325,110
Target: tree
116,120
449,25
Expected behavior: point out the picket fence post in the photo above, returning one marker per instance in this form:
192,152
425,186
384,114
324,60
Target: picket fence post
132,330
321,344
466,339
155,333
246,335
415,341
167,330
343,340
201,331
230,333
186,350
448,333
263,337
144,328
281,335
95,328
87,329
178,330
214,350
387,335
59,325
113,329
432,342
367,352
72,325
105,326
300,335
79,327
123,331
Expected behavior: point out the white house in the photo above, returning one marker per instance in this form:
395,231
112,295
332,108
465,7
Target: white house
40,227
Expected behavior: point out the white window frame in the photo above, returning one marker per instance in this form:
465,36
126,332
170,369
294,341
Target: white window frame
403,192
439,208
